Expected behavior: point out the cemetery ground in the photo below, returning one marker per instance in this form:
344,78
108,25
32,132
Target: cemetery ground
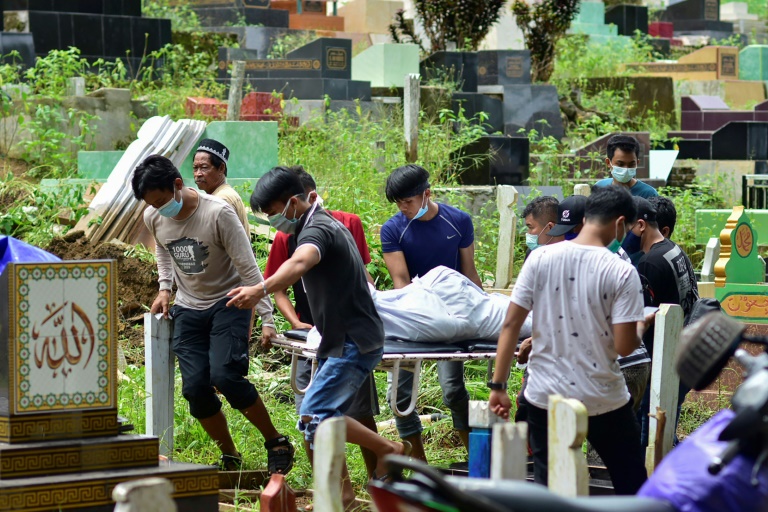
339,151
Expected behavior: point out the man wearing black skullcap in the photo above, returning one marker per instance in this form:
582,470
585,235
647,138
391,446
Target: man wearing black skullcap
210,171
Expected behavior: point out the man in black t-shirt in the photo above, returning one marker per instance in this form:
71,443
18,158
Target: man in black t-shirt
666,275
327,261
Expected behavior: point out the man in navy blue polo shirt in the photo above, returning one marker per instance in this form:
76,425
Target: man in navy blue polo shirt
422,236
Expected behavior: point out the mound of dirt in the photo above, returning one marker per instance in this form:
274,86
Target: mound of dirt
136,279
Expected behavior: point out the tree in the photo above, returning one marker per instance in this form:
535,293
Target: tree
464,22
544,23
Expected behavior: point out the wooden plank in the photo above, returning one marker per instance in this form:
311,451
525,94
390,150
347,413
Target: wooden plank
506,202
412,107
159,368
664,383
329,460
567,464
509,451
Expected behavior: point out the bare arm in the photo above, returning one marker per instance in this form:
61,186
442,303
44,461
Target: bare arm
289,312
305,257
510,332
467,260
397,268
626,337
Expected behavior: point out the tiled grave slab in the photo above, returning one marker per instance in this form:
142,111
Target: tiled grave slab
741,140
692,10
97,165
20,42
503,67
753,63
117,7
459,67
628,18
386,65
229,16
58,351
313,88
474,103
661,29
526,106
507,165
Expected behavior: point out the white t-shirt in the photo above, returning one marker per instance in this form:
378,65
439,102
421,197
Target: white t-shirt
579,292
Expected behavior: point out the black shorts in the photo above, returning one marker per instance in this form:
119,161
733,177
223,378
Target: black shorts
212,348
365,403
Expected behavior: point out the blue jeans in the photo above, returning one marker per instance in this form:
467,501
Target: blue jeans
336,383
450,374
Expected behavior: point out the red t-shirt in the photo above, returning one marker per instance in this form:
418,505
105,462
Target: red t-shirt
278,254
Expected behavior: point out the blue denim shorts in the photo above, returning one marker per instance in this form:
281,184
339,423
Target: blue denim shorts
336,382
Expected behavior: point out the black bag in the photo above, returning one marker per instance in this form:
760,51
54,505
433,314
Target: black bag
700,308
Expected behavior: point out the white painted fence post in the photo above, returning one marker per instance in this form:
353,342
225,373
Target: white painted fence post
236,91
145,495
329,459
506,202
567,464
509,451
159,371
412,107
664,383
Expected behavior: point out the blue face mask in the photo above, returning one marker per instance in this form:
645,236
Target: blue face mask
282,223
623,174
172,207
423,210
632,243
570,235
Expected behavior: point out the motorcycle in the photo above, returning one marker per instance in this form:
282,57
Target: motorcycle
720,467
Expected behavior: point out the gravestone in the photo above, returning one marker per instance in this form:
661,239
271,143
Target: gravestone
739,272
698,17
313,71
750,25
59,439
19,42
505,34
457,67
753,63
591,21
369,16
663,29
532,107
220,13
503,67
628,18
504,161
474,103
386,65
708,63
310,15
100,28
741,140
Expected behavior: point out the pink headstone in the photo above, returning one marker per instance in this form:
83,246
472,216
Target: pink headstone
277,496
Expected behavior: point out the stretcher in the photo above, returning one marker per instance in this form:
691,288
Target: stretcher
398,355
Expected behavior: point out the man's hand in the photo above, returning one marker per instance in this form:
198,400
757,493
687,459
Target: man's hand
245,297
267,334
500,403
161,303
642,327
301,325
524,351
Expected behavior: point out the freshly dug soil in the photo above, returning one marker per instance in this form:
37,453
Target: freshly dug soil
136,279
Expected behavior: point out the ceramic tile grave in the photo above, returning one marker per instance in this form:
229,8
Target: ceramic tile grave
503,67
753,63
698,17
708,63
99,28
59,448
591,21
231,13
386,65
628,18
319,68
20,42
508,164
458,67
312,15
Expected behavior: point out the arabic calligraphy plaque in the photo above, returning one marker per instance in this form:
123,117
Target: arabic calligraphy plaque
62,345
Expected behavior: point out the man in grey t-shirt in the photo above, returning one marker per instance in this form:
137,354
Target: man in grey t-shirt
202,246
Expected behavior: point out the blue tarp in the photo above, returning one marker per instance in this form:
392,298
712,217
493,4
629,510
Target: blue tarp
16,251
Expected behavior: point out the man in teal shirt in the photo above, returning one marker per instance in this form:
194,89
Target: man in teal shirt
623,155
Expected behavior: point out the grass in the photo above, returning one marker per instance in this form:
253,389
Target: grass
270,374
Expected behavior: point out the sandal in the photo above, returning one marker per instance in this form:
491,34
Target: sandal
407,449
279,455
230,462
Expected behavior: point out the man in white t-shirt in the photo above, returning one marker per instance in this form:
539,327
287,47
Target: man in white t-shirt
591,311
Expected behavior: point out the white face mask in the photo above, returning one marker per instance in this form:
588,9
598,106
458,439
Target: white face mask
623,174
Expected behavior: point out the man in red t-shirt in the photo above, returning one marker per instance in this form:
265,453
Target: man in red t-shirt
366,403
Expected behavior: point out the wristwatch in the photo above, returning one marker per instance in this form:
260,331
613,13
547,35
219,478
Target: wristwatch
497,385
